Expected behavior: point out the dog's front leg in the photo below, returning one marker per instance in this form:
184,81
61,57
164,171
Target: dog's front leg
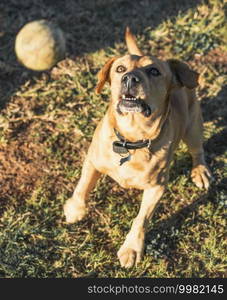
75,207
132,249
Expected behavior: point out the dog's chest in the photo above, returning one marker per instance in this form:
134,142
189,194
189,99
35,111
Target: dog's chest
140,171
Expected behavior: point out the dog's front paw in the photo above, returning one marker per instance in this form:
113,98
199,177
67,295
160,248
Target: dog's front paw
129,255
201,176
74,212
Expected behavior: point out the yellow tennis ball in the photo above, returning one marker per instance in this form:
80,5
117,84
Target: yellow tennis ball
40,45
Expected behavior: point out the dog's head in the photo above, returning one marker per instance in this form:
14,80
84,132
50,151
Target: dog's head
141,84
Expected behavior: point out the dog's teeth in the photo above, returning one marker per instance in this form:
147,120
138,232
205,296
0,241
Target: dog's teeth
124,97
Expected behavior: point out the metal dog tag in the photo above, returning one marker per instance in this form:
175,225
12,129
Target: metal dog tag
119,148
124,159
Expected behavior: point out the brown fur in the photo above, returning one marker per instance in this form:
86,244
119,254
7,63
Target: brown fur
175,115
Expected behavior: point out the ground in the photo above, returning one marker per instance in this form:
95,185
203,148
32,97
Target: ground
46,124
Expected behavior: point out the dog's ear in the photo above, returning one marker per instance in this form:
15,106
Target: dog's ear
104,74
131,43
183,74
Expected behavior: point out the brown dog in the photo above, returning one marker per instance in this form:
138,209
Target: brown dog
153,107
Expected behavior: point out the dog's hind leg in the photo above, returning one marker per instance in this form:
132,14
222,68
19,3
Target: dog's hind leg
75,208
193,138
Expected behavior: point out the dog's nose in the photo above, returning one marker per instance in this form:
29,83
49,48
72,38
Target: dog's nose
130,79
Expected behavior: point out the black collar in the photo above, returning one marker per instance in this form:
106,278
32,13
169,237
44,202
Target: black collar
122,145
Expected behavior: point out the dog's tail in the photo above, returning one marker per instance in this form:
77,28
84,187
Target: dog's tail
131,43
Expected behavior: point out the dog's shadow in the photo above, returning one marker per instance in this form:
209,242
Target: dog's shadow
162,239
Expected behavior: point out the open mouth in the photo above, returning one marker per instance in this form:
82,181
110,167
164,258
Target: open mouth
129,103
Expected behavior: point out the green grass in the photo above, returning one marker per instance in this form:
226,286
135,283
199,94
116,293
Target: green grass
47,122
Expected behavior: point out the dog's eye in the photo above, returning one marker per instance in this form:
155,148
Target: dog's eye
121,69
154,71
